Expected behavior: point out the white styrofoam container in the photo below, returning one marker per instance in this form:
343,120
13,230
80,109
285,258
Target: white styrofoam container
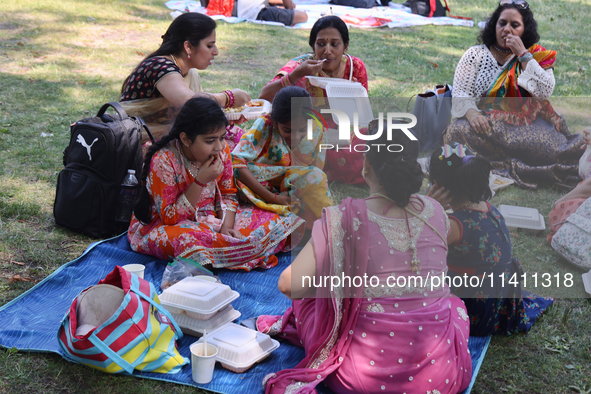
197,298
195,327
322,82
587,282
497,182
350,98
250,112
528,219
239,348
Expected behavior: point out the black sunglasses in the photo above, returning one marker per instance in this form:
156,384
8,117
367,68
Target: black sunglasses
522,4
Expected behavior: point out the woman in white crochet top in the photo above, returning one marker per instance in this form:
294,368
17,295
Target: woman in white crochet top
500,105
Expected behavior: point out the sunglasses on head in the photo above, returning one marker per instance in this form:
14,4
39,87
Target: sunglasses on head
522,4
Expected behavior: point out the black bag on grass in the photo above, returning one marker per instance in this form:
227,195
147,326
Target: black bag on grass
428,8
101,150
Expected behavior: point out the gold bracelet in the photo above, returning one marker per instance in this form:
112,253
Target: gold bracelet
473,115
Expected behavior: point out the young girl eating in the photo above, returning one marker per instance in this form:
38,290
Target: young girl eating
480,245
189,207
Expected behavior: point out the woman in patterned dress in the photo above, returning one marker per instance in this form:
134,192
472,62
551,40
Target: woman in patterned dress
480,247
168,77
329,39
500,102
189,207
400,331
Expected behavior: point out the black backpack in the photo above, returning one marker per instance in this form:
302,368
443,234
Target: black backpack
100,152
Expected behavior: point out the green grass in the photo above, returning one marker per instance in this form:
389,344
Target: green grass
61,60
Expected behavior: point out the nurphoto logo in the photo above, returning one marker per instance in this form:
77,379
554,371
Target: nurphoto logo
393,120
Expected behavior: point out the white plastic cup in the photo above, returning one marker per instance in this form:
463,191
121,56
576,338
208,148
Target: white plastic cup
207,278
137,269
202,366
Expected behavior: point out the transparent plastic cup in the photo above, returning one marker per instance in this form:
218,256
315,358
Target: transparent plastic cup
202,366
137,269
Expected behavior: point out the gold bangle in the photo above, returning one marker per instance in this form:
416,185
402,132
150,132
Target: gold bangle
473,115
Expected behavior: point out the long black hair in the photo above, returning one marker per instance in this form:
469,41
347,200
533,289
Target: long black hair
281,109
199,115
326,22
464,178
530,36
399,173
191,26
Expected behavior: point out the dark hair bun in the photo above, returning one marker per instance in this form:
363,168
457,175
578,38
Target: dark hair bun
398,172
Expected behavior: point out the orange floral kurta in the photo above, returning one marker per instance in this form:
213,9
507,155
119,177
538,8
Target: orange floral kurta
175,231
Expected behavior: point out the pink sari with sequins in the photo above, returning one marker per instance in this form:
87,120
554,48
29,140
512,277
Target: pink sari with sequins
387,339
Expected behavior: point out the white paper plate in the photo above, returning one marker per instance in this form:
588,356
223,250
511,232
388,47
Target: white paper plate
497,182
350,98
322,82
249,112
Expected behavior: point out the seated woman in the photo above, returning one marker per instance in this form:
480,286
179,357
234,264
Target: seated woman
479,244
394,333
189,207
168,77
277,167
500,102
329,39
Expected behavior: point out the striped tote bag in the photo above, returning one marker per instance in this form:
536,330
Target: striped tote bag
139,335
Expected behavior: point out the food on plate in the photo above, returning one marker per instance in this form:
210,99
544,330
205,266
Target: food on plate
234,109
255,103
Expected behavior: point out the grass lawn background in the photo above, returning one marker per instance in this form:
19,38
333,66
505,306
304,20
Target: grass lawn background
61,60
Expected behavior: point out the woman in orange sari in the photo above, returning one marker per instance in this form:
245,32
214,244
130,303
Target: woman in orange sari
500,104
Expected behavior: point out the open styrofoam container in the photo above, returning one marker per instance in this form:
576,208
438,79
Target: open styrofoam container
195,327
198,298
239,348
528,219
322,82
497,182
587,282
350,98
249,112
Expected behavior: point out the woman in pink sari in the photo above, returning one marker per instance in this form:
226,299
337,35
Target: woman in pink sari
400,330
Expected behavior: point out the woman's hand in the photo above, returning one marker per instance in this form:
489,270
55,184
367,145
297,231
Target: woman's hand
231,232
515,44
281,199
210,170
309,67
240,97
289,5
586,139
479,123
441,195
241,120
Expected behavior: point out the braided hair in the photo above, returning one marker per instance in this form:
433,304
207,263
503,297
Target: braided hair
399,173
199,115
465,177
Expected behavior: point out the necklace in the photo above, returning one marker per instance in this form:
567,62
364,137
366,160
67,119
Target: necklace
174,60
415,263
499,49
469,204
